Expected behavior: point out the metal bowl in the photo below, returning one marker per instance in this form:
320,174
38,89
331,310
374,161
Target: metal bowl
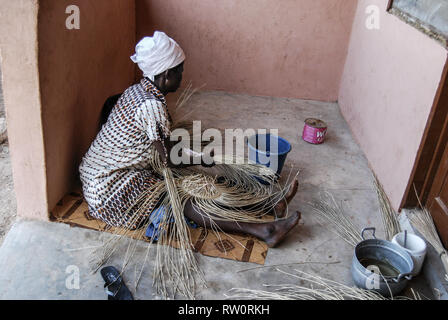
381,266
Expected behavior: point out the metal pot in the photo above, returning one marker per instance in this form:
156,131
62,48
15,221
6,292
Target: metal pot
381,266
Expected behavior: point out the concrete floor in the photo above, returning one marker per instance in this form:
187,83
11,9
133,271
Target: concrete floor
7,197
35,255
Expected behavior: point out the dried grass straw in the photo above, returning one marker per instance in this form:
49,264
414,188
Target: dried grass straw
314,288
331,215
388,215
176,269
423,222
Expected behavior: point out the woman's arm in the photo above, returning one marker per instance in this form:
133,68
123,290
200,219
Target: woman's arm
163,144
164,149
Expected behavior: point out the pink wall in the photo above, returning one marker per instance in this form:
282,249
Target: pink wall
18,46
79,69
288,48
55,80
387,90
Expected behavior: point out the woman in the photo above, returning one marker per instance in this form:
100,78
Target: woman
116,169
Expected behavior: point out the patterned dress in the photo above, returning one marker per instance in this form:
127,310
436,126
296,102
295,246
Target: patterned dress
115,170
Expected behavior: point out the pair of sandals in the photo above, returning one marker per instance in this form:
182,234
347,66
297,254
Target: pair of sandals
114,285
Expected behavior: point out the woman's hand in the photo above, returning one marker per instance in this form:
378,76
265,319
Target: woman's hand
164,147
162,150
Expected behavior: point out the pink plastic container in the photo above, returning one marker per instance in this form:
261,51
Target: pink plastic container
314,131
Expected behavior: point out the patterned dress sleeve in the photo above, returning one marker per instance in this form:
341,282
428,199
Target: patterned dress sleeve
154,120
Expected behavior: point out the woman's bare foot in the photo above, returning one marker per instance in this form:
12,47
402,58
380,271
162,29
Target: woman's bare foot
277,231
280,208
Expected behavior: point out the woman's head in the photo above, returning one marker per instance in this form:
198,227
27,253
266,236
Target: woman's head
160,57
169,80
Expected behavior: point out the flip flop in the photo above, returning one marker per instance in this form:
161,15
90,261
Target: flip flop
114,286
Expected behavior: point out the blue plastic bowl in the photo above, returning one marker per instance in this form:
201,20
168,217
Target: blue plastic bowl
269,150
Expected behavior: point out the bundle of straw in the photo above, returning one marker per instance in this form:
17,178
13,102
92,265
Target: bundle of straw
317,288
388,215
233,193
331,215
422,220
178,265
182,100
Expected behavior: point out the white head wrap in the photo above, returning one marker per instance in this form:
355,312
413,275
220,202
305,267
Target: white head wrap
157,54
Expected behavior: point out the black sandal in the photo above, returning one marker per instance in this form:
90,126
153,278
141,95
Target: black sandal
114,286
